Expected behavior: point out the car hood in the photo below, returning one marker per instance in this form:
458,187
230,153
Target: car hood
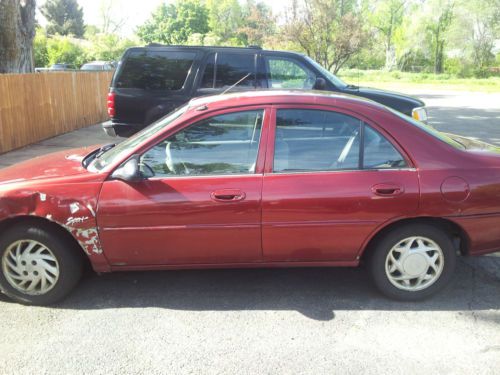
58,164
402,102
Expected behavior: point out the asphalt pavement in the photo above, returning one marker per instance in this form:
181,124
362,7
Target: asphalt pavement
268,321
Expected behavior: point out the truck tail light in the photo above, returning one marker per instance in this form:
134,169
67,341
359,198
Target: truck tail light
111,104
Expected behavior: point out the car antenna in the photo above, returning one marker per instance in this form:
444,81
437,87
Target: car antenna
231,87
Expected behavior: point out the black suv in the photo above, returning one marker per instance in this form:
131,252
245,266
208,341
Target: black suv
152,81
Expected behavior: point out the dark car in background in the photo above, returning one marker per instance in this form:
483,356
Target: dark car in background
151,81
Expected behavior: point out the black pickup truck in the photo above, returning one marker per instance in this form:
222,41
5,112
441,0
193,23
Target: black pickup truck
151,81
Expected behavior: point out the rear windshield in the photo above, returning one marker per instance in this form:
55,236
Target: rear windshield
155,70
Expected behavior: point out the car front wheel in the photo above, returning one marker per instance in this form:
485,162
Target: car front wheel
38,265
413,262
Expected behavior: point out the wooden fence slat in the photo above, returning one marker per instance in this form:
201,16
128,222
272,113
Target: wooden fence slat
38,106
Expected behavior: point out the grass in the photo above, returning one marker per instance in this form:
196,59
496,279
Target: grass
401,80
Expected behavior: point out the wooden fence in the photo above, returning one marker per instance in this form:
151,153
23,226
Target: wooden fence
37,106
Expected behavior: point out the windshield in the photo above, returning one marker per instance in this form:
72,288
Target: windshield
122,148
333,78
429,130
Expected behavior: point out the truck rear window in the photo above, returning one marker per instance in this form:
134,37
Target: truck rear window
155,70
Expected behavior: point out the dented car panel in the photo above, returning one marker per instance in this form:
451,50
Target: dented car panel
68,200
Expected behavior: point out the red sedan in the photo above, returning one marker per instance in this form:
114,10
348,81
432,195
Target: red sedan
261,179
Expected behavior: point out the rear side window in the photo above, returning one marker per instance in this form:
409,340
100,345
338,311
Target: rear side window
379,153
316,140
225,69
313,140
155,70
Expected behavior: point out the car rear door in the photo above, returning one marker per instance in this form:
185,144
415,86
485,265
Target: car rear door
202,206
330,180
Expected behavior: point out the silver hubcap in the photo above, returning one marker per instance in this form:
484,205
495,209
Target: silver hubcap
414,263
30,267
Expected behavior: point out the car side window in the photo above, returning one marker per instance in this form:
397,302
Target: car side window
220,145
379,153
155,70
288,74
315,140
226,69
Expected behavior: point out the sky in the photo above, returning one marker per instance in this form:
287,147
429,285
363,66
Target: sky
134,12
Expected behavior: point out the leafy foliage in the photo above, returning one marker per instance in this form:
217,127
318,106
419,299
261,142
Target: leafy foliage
64,17
174,23
258,23
457,37
330,31
62,49
49,50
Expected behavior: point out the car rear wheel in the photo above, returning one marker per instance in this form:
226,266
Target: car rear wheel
38,267
413,262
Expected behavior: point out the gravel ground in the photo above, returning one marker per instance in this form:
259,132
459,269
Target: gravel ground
309,321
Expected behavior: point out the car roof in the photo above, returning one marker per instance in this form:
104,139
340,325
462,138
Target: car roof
157,46
273,96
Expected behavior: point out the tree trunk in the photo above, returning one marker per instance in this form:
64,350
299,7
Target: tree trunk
390,58
17,30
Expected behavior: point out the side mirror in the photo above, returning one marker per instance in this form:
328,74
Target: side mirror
129,171
320,84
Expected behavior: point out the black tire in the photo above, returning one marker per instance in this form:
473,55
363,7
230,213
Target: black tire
378,256
67,254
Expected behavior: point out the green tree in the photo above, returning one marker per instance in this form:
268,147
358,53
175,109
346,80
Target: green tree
438,22
63,49
174,23
107,47
387,17
225,20
258,23
40,54
478,25
64,17
330,31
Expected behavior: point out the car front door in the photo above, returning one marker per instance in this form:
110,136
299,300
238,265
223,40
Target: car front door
330,180
203,204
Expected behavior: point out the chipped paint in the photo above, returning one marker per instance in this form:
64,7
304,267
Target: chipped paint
74,207
91,209
58,209
90,239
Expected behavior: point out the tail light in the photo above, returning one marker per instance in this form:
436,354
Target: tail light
111,104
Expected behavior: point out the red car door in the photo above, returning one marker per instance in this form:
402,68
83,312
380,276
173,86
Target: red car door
203,204
330,180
